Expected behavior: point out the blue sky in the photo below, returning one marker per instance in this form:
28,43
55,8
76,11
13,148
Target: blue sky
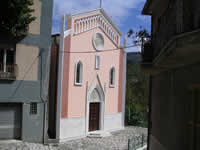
126,14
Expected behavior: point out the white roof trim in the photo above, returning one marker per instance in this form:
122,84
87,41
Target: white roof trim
100,10
67,32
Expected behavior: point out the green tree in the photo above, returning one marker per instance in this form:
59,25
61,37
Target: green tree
139,36
136,96
15,16
137,90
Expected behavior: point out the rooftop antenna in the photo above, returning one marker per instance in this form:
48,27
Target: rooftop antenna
100,4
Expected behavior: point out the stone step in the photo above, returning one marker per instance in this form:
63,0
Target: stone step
98,134
93,135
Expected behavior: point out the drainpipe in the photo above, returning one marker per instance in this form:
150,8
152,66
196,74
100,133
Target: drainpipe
45,124
44,100
60,77
149,115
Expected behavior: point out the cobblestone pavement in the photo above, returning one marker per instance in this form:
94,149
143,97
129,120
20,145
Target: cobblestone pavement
118,141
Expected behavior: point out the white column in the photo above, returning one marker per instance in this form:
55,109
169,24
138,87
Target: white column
124,82
96,21
90,23
76,27
81,24
101,22
112,35
87,25
79,27
4,60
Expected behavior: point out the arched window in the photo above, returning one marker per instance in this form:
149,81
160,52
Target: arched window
79,73
112,77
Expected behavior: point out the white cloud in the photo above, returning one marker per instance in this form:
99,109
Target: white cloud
117,9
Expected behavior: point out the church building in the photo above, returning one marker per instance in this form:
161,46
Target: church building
88,74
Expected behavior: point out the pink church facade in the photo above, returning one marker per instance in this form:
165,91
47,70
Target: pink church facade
90,87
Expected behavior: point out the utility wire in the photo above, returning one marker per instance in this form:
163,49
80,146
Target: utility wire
27,71
30,67
105,50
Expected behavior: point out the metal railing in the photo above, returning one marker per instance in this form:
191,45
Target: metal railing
137,142
8,71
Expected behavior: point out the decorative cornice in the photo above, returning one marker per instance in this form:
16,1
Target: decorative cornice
100,10
96,21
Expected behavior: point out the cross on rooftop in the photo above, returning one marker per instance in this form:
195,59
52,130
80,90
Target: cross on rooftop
100,4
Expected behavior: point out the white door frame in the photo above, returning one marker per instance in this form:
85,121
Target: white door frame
102,106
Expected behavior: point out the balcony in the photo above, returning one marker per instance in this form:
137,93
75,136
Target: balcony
8,72
166,29
175,37
176,20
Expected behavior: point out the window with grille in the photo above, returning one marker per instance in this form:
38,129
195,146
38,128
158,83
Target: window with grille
33,108
7,60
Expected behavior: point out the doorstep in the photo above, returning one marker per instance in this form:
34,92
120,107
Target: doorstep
98,134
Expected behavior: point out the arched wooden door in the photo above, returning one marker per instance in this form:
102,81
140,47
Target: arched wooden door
94,111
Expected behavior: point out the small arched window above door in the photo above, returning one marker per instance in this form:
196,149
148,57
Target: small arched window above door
112,77
79,73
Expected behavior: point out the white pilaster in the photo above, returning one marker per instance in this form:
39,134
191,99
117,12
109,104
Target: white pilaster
60,77
124,83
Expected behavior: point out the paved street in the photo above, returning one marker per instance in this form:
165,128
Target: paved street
118,141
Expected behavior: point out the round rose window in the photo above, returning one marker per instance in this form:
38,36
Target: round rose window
98,41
